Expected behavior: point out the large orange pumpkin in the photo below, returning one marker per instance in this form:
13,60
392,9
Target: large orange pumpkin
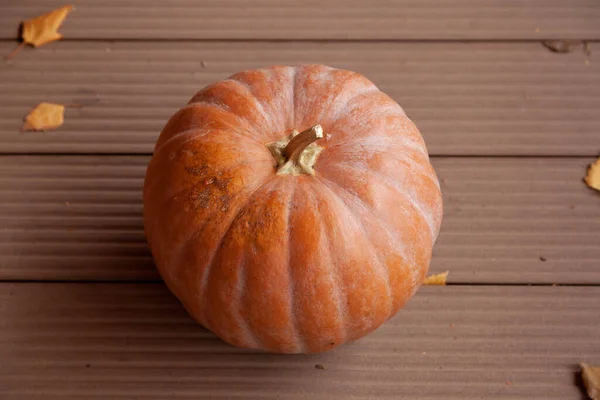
284,241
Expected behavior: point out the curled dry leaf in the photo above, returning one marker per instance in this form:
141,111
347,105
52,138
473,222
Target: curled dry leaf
562,46
591,380
437,279
43,29
592,178
46,116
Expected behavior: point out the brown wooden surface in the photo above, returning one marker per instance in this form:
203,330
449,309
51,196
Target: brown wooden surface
511,127
125,341
467,99
76,218
317,19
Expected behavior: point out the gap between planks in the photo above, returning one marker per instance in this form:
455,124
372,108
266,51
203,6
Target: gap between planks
433,156
16,40
158,281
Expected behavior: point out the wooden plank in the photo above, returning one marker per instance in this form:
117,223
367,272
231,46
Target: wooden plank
483,99
126,341
312,19
506,220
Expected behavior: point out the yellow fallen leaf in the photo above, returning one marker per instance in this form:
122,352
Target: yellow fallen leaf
591,380
43,29
593,176
45,116
437,279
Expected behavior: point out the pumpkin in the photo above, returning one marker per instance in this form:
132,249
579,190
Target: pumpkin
291,209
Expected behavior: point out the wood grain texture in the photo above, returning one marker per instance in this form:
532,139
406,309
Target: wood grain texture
483,99
506,220
126,341
312,19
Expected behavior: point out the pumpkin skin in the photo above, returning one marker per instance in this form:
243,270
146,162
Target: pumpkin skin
282,262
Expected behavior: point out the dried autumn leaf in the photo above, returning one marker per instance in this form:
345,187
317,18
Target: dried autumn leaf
437,279
592,178
591,380
562,46
43,29
45,116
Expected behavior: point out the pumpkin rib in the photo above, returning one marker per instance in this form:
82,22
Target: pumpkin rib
281,335
342,108
207,269
383,223
294,73
334,275
382,267
231,88
396,148
400,191
425,174
255,155
329,113
356,102
267,87
429,218
265,116
190,131
341,87
150,227
239,161
278,74
193,137
301,346
246,337
176,272
310,266
305,81
385,103
421,167
381,106
199,183
202,103
250,240
150,185
178,252
384,138
385,119
407,263
401,248
252,341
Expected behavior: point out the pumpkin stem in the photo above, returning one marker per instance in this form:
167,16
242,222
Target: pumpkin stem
298,144
297,153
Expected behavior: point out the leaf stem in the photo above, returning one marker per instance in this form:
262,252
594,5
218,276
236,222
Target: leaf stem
15,51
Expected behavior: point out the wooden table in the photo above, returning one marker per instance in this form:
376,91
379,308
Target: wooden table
510,125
